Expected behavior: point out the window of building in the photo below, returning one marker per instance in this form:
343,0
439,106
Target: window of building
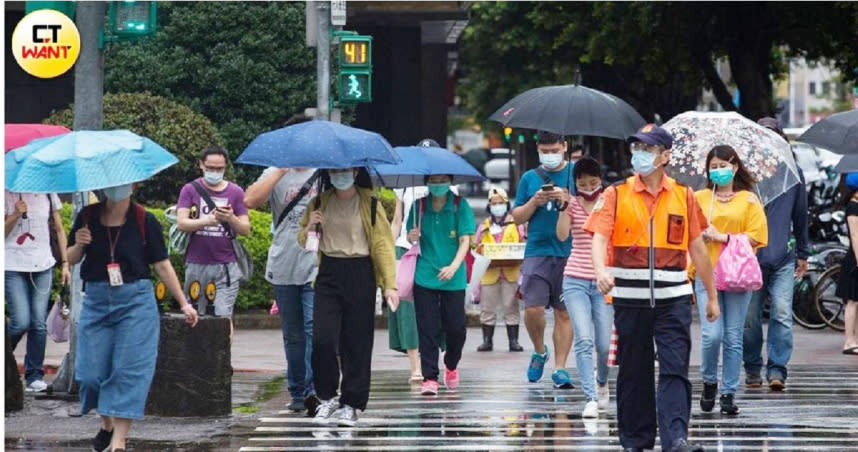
826,87
811,88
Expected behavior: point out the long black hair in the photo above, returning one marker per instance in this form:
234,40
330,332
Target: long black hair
742,180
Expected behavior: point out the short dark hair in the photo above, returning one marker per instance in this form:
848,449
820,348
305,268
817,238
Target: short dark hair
426,178
543,137
587,166
213,149
577,147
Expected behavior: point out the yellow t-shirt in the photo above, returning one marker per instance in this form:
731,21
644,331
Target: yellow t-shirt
743,214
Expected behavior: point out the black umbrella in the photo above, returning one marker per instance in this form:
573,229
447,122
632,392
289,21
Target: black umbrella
837,133
570,110
848,164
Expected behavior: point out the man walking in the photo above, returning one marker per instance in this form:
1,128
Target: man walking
787,216
539,201
210,257
291,269
651,224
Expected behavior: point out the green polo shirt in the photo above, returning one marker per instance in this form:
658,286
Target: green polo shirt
439,241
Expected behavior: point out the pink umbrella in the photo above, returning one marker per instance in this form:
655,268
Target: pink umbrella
18,135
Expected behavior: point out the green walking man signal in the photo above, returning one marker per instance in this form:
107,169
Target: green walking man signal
355,68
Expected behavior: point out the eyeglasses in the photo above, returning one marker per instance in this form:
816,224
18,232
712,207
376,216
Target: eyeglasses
215,169
641,146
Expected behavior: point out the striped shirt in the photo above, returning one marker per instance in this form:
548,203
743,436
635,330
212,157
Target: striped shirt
580,263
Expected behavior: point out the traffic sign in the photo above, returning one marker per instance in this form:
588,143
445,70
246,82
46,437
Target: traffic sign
338,13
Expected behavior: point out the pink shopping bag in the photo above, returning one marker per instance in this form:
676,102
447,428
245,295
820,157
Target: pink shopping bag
405,273
737,269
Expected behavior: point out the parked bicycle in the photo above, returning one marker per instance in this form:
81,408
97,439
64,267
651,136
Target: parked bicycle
823,257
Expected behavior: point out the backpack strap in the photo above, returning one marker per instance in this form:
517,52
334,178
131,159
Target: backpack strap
301,193
373,209
139,217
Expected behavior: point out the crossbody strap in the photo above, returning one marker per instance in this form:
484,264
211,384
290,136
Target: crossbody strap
204,194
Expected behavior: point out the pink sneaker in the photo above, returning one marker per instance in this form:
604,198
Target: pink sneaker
430,387
451,378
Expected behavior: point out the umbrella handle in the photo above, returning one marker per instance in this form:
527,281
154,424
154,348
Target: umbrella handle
20,198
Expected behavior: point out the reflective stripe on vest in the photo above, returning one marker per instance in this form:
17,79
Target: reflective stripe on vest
649,252
510,233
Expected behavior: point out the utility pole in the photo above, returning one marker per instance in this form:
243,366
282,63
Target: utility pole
88,115
323,59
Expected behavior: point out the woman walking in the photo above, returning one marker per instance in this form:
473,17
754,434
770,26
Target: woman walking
847,287
356,256
444,226
500,283
732,210
591,316
29,274
119,325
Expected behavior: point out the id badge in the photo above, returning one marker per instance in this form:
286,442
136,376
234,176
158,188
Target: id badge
114,274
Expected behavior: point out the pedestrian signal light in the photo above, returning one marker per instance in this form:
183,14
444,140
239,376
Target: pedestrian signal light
355,67
356,51
355,86
521,138
507,132
131,19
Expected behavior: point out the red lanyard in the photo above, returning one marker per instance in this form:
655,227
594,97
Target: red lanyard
113,243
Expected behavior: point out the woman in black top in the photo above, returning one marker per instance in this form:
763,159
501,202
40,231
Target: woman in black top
119,324
847,287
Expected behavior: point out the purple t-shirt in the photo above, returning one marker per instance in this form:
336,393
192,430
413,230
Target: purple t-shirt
211,244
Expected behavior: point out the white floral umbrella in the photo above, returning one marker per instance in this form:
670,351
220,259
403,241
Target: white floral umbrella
763,152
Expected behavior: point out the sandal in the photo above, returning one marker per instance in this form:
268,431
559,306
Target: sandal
851,351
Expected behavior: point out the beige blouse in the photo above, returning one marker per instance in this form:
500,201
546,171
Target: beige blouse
342,231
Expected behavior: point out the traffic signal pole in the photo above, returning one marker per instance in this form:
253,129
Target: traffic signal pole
323,59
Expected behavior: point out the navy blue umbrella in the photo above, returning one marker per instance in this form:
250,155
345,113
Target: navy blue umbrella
419,162
318,144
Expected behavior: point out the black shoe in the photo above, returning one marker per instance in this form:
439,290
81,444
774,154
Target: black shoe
727,405
312,403
633,449
707,400
512,334
488,335
681,445
102,439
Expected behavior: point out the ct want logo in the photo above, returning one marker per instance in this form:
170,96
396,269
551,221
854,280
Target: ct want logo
46,43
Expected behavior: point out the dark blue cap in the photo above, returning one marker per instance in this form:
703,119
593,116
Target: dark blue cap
852,180
652,135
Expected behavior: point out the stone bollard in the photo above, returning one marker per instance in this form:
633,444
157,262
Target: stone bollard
14,386
193,376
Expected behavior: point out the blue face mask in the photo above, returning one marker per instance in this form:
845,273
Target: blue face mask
438,190
643,162
550,161
721,176
118,193
343,181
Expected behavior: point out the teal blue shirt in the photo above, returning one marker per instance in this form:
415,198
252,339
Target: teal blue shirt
439,242
542,227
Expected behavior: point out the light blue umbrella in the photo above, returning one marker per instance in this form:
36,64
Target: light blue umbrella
84,160
419,162
318,144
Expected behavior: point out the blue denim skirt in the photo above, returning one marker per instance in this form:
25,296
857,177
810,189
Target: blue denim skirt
117,347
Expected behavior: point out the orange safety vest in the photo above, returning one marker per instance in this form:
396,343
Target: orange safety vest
510,235
649,252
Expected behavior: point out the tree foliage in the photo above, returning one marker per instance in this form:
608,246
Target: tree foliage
176,127
242,64
655,55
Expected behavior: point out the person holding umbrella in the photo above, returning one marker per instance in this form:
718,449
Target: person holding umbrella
355,257
847,287
443,227
119,325
732,208
652,225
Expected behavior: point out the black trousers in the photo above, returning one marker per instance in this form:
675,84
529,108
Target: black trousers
447,308
636,397
344,323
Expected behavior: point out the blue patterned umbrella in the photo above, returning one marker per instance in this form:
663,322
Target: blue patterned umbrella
421,161
318,144
84,160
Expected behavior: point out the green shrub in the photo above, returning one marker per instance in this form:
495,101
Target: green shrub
255,294
174,126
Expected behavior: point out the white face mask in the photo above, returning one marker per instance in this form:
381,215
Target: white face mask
498,210
550,161
342,181
118,193
212,177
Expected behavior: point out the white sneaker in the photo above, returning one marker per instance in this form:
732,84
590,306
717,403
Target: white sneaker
346,416
604,396
591,410
325,410
37,386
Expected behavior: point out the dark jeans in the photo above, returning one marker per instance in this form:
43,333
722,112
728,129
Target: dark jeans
295,303
27,295
344,322
636,397
447,308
